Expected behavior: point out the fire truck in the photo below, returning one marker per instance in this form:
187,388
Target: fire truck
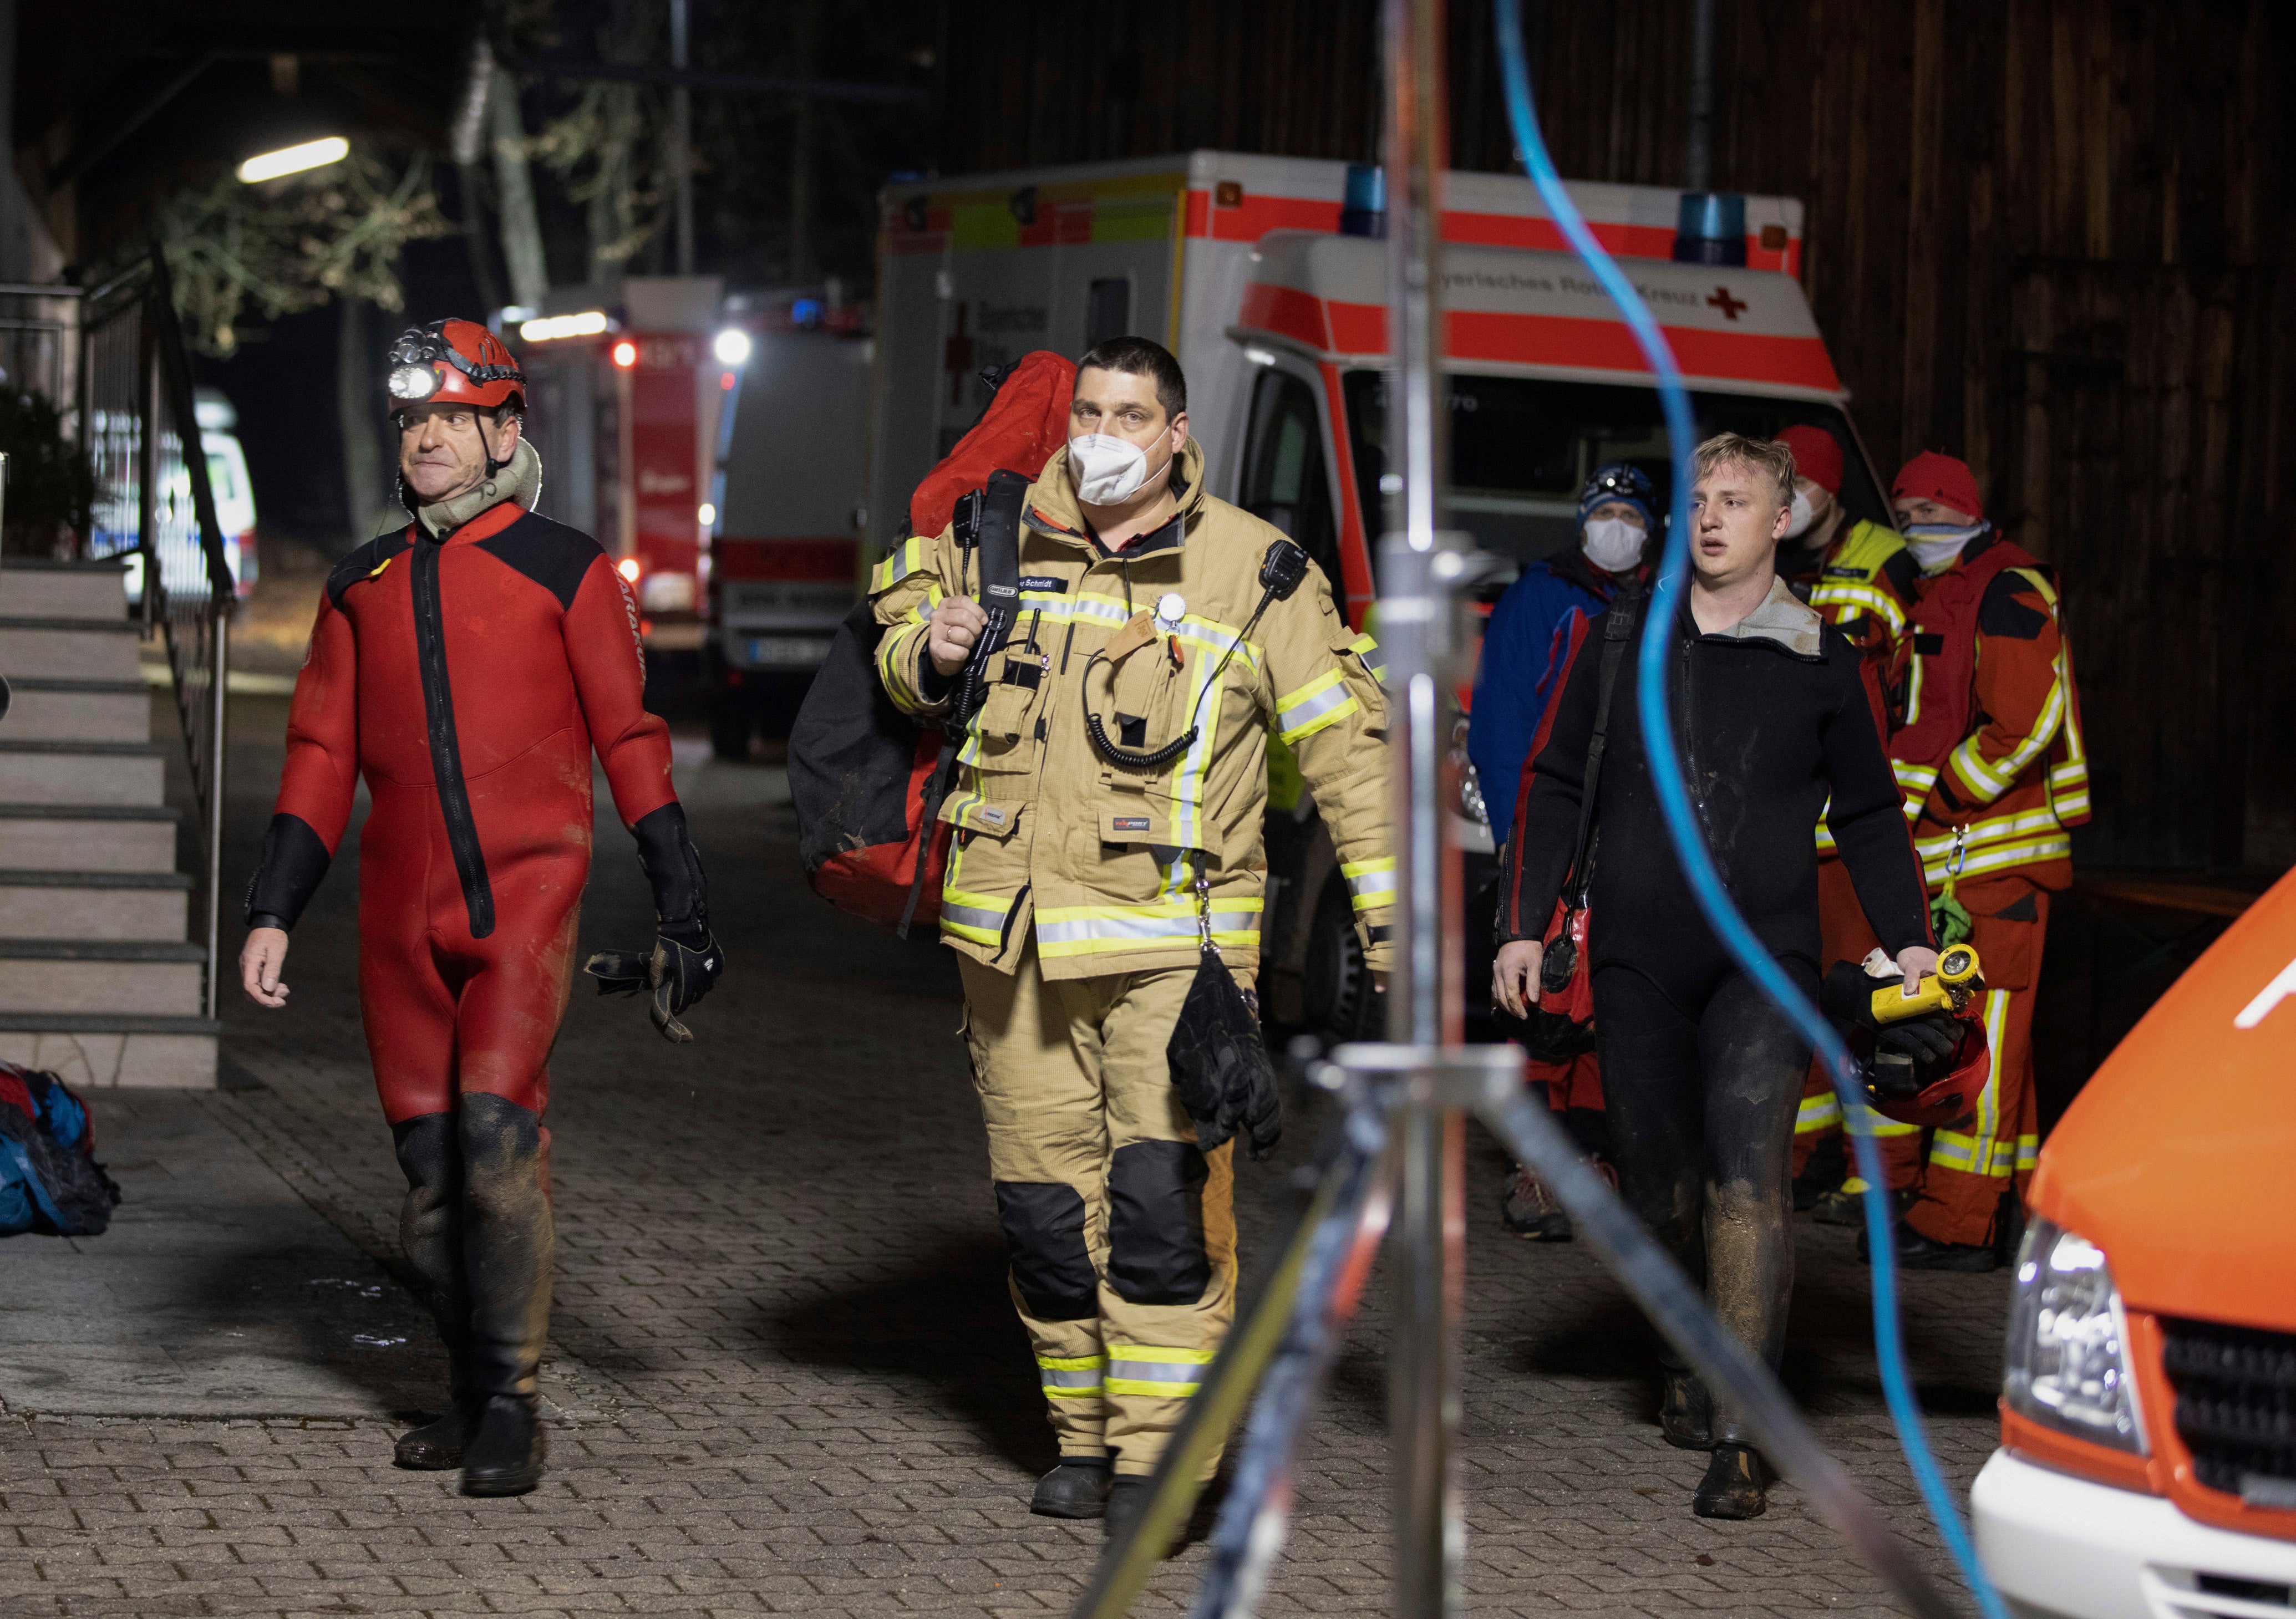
1266,277
715,445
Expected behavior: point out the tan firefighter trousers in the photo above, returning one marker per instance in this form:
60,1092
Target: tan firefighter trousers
1121,1233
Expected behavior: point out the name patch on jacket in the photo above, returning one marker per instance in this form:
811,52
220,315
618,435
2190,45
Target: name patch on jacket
1051,586
1928,645
1130,823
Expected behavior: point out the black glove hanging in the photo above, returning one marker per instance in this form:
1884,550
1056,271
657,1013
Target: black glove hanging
685,962
1218,1059
1906,1056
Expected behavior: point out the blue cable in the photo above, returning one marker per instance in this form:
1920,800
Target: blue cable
1674,802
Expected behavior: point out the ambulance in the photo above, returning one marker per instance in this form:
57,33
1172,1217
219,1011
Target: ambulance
2147,1465
1267,278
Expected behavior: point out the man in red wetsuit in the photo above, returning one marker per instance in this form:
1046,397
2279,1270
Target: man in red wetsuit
466,666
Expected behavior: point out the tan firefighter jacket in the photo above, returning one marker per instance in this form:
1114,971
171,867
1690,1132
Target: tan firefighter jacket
1100,855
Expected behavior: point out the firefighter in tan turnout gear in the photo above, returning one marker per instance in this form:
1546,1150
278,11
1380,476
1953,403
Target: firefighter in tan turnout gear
1071,894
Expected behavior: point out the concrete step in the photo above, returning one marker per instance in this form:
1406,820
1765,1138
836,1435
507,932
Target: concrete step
45,710
67,648
63,590
100,976
88,837
82,773
114,1051
93,905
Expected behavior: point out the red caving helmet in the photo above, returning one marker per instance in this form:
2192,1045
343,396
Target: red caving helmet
459,361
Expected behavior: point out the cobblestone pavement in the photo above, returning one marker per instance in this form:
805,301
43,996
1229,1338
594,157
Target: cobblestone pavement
784,1372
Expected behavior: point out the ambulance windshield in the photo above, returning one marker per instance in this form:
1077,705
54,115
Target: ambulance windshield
1521,449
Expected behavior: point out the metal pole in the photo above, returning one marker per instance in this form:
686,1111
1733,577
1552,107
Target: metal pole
681,139
1420,565
221,632
1699,162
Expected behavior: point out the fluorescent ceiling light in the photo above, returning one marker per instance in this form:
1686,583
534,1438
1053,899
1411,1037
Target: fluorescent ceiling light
589,324
295,160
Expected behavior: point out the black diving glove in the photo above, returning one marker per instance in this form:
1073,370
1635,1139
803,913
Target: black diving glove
685,962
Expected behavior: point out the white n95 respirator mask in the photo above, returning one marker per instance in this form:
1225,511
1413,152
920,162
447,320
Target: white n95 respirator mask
1804,515
1612,543
1109,470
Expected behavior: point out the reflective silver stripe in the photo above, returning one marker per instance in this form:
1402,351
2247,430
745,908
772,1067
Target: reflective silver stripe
972,916
1184,925
1370,883
1153,1372
1303,713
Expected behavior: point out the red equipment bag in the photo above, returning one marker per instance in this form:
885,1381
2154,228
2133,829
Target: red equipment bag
863,774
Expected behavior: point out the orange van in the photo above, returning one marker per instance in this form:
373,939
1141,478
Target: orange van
2147,1466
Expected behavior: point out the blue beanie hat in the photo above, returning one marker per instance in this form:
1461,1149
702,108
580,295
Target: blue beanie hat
1621,481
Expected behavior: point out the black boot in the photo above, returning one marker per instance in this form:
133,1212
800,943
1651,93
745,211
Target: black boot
1686,1412
1735,1484
437,1446
504,1455
1077,1488
1128,1504
1917,1252
1529,1210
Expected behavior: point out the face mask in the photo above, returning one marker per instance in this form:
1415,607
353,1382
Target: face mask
1612,543
1109,470
1936,545
1803,516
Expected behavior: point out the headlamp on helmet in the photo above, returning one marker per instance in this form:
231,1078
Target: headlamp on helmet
413,384
452,361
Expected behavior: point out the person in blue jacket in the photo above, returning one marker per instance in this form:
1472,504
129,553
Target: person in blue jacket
1528,640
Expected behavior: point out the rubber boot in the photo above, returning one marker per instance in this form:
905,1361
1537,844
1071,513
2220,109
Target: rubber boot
1686,1412
431,1234
504,1454
1735,1486
1077,1488
506,1250
1128,1504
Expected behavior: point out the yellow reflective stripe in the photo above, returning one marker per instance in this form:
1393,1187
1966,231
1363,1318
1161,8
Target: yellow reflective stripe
1993,830
1913,688
1323,701
1366,649
893,664
910,557
1071,930
1850,597
2027,852
1372,882
977,919
1136,1369
1978,1152
1072,1376
1863,1121
1819,1113
1986,779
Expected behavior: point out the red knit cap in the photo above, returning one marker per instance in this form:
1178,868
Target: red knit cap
1929,476
1816,456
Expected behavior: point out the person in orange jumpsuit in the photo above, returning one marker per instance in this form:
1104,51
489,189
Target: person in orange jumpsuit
1858,574
1989,754
466,666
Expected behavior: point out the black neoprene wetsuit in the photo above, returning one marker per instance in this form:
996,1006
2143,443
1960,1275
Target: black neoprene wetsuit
1701,1074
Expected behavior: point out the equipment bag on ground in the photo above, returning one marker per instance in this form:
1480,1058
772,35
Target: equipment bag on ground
50,1182
865,779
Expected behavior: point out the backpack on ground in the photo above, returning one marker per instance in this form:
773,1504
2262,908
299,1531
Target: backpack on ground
50,1182
865,779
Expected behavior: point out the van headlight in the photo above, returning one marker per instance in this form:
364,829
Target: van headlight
2068,1351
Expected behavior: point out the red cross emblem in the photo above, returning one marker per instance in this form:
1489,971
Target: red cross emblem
1729,305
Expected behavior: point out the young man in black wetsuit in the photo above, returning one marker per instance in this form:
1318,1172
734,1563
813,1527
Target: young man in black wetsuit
1701,1071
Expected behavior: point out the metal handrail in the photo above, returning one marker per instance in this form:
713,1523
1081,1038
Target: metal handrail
139,424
